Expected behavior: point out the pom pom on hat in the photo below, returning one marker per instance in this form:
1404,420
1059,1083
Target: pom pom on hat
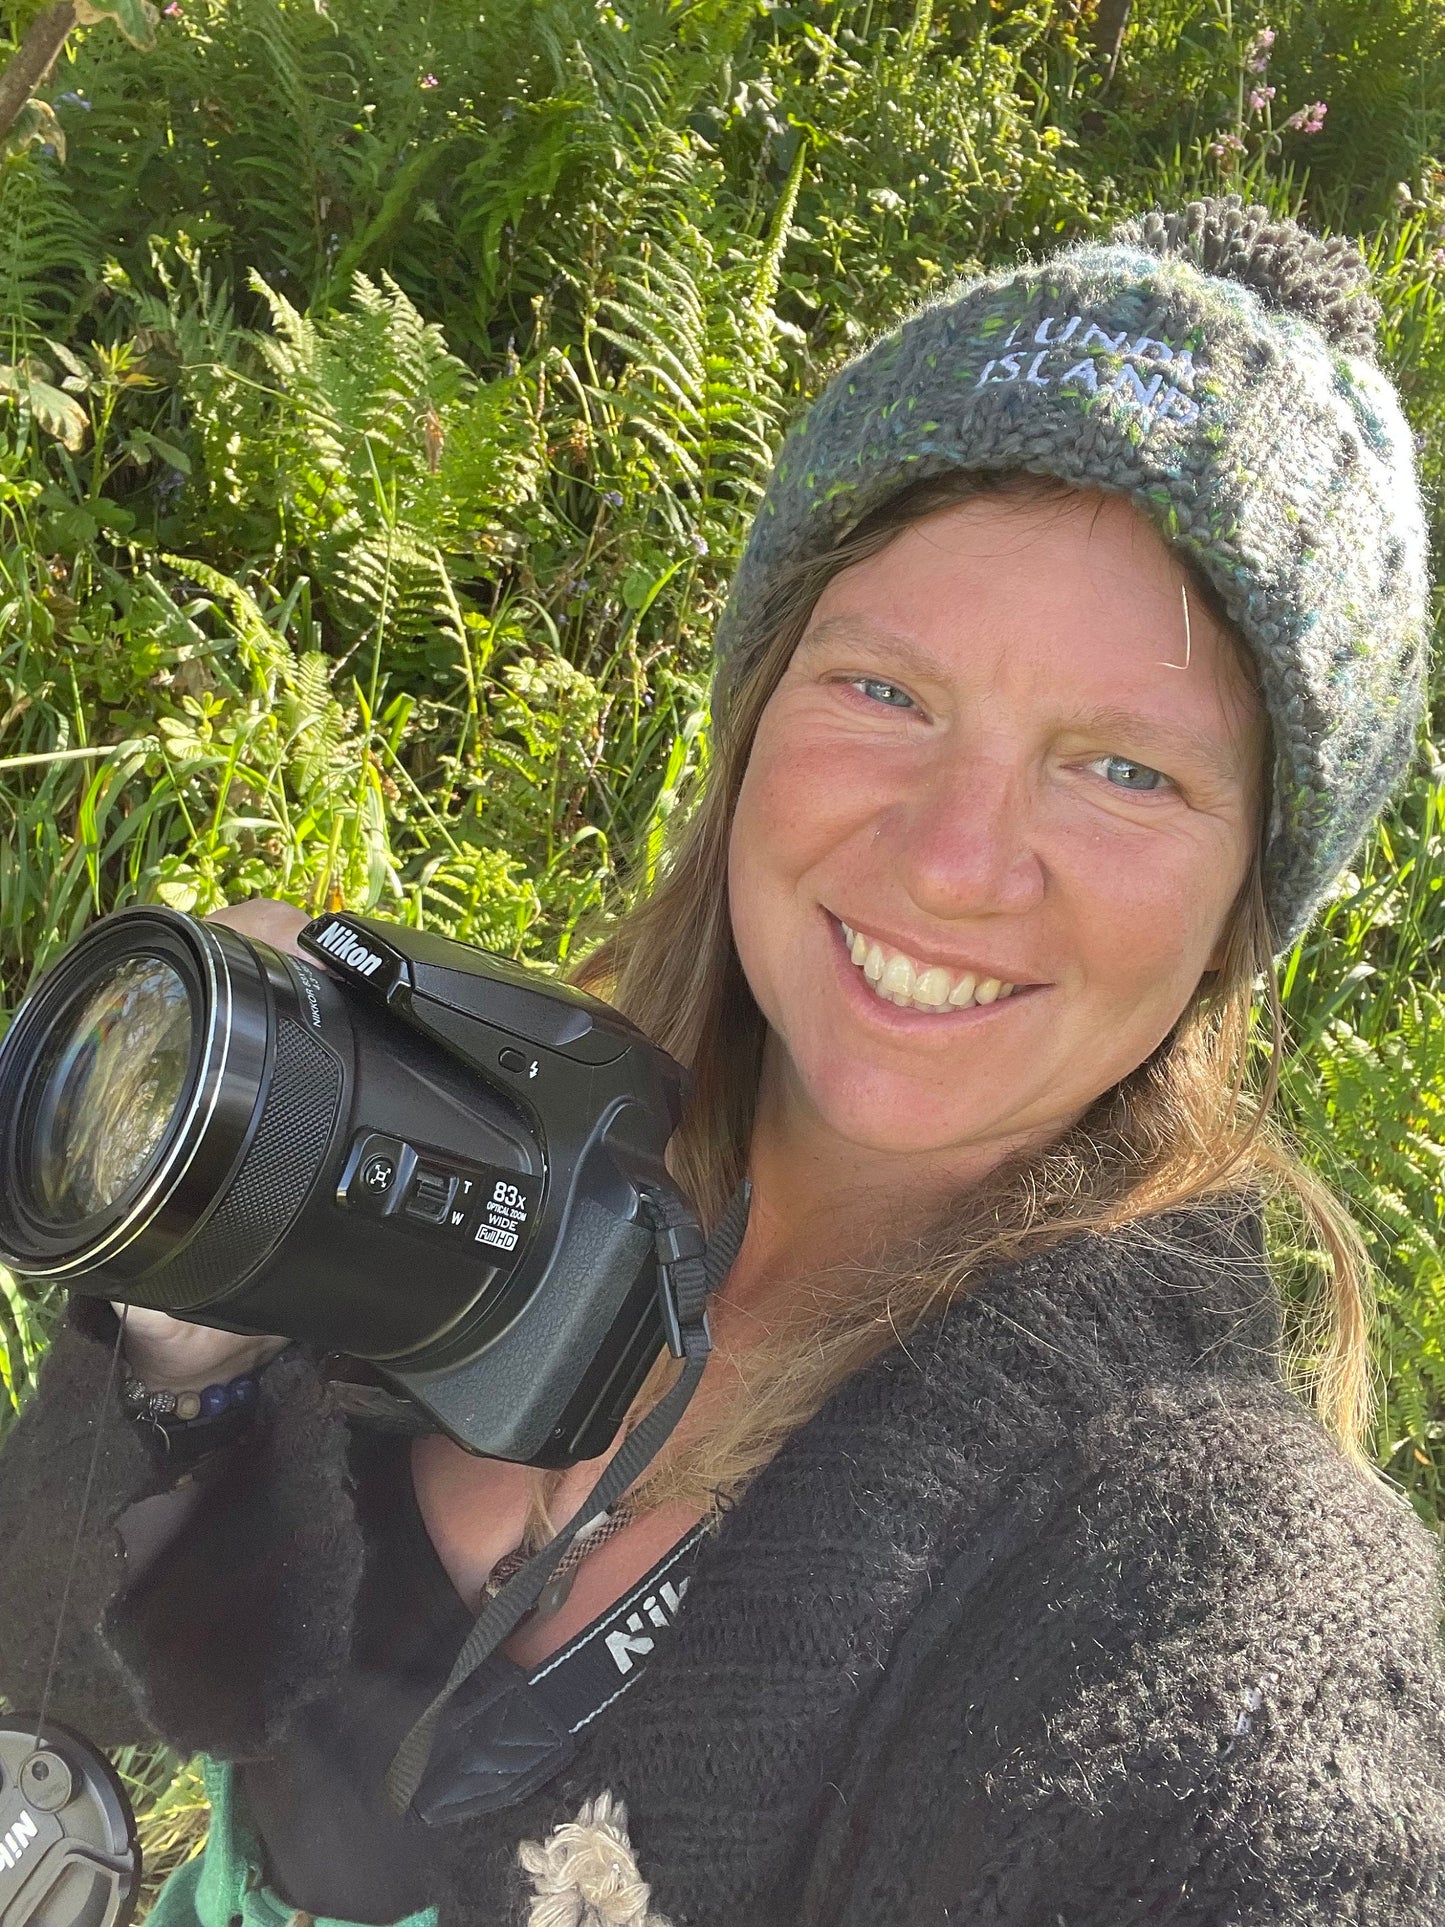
1326,281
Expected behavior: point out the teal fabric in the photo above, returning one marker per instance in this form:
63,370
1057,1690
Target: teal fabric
222,1887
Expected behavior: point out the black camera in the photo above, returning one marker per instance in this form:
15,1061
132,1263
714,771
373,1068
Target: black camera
424,1156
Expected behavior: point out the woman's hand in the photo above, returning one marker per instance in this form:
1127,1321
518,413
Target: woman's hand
170,1354
275,923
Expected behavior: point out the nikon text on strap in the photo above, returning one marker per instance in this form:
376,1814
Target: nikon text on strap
690,1269
507,1732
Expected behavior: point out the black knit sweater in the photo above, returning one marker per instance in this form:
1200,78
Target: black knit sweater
1065,1614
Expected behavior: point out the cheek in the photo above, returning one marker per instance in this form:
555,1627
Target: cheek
798,806
799,794
1147,912
748,847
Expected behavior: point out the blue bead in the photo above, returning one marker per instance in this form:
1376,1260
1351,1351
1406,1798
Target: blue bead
242,1390
214,1400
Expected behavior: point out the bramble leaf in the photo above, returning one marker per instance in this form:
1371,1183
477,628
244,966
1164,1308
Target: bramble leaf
135,18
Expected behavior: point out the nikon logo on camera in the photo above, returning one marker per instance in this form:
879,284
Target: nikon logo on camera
14,1843
347,948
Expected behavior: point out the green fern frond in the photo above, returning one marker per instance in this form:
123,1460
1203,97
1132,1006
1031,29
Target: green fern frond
47,262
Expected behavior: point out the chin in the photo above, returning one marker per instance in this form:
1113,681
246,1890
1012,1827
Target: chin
890,1116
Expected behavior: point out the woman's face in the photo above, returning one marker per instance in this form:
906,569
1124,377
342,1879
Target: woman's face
996,759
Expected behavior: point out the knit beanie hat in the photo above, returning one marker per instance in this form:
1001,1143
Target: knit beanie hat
1217,366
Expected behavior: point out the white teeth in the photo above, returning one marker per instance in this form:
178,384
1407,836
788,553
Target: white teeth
932,988
898,980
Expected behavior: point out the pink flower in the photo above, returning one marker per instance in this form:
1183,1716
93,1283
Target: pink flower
1257,59
1309,120
430,80
173,11
1259,99
1223,144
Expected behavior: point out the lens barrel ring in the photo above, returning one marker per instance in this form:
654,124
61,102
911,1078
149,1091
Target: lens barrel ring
279,1167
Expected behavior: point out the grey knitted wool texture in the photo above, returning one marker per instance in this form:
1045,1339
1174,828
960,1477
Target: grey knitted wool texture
1216,366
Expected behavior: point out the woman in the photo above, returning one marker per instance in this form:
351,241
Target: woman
1078,641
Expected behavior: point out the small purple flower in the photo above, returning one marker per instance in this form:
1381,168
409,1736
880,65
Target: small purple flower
430,80
1259,99
613,498
72,100
1257,59
699,543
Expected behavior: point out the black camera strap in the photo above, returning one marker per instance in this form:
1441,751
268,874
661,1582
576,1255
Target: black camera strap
507,1732
690,1268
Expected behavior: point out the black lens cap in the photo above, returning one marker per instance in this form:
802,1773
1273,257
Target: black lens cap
68,1850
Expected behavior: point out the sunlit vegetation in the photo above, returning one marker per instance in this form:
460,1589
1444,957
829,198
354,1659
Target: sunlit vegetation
385,390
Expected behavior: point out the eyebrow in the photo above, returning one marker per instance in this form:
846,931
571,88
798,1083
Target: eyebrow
1174,739
1223,760
875,635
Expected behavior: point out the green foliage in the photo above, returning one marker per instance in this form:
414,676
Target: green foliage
169,1798
384,392
389,466
1365,1093
46,252
136,19
1186,84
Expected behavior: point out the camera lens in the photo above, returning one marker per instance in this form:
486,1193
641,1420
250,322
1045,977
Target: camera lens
144,1084
106,1089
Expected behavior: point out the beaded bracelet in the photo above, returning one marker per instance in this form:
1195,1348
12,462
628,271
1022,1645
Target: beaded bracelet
175,1410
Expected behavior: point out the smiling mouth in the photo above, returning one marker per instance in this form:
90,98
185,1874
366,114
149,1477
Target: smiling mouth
897,978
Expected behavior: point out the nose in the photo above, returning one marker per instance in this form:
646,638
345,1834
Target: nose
962,844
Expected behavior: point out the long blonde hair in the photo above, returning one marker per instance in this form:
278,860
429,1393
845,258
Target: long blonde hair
1191,1122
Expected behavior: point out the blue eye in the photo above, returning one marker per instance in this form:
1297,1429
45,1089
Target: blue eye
1127,775
871,685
